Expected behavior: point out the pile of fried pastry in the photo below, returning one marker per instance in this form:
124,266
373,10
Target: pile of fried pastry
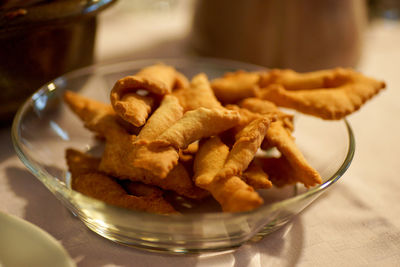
202,138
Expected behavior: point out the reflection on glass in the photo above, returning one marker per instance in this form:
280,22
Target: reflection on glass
60,132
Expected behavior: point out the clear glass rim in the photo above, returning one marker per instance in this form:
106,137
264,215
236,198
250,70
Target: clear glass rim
57,185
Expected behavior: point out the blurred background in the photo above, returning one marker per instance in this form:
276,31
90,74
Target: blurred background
40,40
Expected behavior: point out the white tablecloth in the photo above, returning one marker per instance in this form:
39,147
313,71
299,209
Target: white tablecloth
356,223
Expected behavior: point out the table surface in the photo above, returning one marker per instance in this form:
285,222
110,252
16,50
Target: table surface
355,223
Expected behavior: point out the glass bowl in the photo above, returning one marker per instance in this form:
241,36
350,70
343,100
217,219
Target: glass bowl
44,127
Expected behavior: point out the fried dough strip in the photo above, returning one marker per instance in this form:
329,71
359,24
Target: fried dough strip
80,163
345,92
134,108
197,124
191,149
163,118
235,86
96,116
157,79
280,138
209,159
265,107
158,160
246,116
278,126
140,189
87,180
260,106
187,155
233,194
292,80
119,155
180,81
256,177
93,113
155,159
130,128
102,187
198,94
161,155
248,141
280,171
120,149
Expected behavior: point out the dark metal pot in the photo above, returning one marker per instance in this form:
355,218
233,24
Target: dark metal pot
40,40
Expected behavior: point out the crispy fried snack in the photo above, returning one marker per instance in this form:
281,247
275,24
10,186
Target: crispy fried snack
246,116
187,155
235,86
265,107
87,180
180,81
232,193
280,171
140,189
235,195
191,149
101,119
93,113
155,159
158,160
198,94
276,135
190,134
248,141
130,128
119,154
197,124
292,80
116,162
276,126
279,137
329,94
163,118
97,116
209,159
102,187
80,163
158,80
121,150
161,155
134,108
256,177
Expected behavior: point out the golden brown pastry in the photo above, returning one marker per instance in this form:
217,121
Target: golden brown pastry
232,193
235,86
153,81
331,94
198,94
163,133
86,179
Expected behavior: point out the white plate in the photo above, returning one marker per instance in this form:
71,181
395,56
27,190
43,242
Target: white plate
24,244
